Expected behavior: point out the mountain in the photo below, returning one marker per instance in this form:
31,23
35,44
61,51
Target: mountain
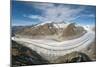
15,29
45,29
52,33
58,29
73,31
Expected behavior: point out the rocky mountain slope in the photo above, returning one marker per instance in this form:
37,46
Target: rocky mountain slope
72,31
60,30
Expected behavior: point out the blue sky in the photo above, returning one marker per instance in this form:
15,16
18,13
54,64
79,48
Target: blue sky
27,13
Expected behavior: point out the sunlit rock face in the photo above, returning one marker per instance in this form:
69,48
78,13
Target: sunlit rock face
72,31
39,30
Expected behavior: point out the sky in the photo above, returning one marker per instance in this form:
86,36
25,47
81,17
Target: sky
28,13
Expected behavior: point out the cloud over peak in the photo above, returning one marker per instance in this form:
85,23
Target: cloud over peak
58,12
52,12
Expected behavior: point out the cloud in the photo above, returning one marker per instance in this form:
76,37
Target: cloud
90,15
87,16
53,12
34,17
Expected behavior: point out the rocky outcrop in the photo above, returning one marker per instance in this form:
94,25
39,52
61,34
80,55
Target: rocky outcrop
73,57
91,50
22,56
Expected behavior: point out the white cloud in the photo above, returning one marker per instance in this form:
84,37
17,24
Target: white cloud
52,12
91,15
88,15
34,17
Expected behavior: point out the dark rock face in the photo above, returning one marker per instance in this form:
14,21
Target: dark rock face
91,50
22,56
81,57
73,58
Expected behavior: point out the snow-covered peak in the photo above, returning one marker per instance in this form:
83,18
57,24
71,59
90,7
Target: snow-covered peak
45,22
40,24
55,24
